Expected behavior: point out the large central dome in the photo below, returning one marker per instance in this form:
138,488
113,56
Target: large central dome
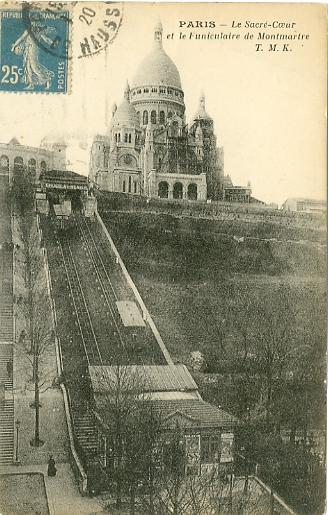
157,68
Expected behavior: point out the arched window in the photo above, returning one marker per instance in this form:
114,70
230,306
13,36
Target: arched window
153,117
31,167
162,117
163,190
119,137
130,182
175,126
178,190
135,187
170,115
124,187
18,164
125,138
192,192
130,138
116,138
145,118
4,163
43,166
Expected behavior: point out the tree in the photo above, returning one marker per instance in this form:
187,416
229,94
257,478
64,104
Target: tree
173,489
132,429
22,192
34,303
274,332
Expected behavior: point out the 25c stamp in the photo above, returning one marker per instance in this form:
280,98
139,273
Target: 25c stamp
34,49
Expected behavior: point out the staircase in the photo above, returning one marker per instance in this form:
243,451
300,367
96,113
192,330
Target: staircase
6,408
85,432
6,320
6,328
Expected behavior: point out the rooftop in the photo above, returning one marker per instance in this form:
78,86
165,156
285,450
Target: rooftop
146,378
64,176
130,314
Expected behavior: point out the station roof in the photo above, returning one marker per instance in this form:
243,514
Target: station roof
141,378
193,413
64,178
200,413
130,314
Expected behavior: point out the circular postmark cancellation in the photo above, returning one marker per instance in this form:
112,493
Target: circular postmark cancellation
48,25
100,23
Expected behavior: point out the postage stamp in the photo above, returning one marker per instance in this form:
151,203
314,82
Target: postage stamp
34,49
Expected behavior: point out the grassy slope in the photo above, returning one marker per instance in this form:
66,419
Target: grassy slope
185,276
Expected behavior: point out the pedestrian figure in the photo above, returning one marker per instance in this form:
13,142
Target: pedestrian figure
10,368
2,395
52,471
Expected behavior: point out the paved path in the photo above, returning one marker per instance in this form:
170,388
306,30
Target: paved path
62,493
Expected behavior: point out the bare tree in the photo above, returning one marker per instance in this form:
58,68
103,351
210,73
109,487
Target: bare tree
33,304
275,327
131,432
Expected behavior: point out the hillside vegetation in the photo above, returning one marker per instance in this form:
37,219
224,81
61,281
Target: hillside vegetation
243,289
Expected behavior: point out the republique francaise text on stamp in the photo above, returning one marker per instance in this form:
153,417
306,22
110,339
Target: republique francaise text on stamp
34,49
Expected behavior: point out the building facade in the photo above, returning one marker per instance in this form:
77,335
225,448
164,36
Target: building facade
170,394
149,149
305,205
16,157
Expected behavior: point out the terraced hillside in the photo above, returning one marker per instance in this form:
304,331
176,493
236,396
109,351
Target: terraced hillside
202,279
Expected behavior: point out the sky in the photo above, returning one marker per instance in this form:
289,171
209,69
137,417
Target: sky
268,107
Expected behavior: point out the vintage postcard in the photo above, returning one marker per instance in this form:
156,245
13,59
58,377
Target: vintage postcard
163,258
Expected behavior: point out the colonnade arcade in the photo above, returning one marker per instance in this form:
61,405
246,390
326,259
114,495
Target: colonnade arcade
17,163
177,190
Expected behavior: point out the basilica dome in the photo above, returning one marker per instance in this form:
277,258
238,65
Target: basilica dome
157,68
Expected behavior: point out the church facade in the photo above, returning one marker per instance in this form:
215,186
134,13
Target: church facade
149,149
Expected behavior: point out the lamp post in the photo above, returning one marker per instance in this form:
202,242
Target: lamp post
15,327
17,423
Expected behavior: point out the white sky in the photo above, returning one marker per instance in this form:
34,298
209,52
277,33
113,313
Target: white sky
268,107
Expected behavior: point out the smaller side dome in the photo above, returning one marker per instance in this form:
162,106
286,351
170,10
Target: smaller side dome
52,139
125,114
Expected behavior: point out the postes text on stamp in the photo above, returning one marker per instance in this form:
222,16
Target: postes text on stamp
34,49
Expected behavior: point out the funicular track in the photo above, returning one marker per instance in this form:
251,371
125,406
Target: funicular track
89,340
103,280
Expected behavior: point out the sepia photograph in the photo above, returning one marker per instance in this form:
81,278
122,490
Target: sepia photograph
163,258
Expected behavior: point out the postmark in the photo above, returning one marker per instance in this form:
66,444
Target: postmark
35,48
99,24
